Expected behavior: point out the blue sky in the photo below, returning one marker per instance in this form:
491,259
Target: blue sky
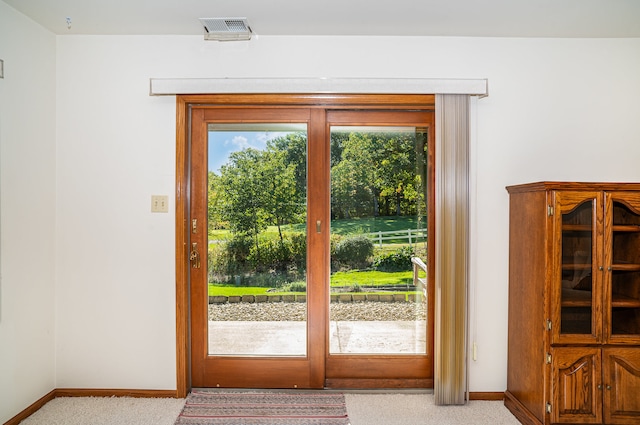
222,143
225,138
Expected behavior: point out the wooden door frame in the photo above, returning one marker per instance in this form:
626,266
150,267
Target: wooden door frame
184,106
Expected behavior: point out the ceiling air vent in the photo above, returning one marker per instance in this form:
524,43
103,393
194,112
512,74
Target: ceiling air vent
226,29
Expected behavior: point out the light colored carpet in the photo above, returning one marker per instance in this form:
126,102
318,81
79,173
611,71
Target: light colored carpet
418,409
362,408
107,411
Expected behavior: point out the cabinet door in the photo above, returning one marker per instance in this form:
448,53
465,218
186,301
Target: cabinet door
622,385
576,301
621,294
576,378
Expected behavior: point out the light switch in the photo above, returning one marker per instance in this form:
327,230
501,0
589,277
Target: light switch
159,203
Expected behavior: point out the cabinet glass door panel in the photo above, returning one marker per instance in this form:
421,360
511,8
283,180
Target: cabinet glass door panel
577,248
578,265
623,291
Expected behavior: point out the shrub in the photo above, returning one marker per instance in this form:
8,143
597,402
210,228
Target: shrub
228,257
280,255
355,288
399,260
270,254
298,249
237,253
334,240
354,251
298,287
217,261
269,279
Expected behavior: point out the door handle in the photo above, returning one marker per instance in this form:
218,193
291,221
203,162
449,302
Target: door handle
194,256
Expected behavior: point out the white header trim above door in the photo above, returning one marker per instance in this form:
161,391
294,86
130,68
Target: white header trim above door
175,86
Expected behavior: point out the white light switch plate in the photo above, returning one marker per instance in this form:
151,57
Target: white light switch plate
159,203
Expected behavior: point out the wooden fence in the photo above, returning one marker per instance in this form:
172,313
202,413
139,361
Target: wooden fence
412,235
419,282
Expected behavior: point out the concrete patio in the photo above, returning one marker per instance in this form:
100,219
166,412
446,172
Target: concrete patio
287,338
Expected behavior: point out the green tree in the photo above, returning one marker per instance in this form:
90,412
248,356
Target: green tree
242,193
353,177
214,218
282,201
257,189
395,178
343,189
294,149
374,169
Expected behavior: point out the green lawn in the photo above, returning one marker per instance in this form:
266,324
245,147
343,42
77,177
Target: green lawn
229,290
338,279
374,224
371,278
343,227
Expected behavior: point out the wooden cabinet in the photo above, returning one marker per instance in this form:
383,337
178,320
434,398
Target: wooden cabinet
575,377
574,303
621,372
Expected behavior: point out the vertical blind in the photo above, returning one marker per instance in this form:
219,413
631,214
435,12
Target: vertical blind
452,249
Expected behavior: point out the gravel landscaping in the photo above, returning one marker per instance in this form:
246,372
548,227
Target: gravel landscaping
353,311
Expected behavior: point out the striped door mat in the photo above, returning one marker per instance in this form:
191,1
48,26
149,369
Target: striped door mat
263,408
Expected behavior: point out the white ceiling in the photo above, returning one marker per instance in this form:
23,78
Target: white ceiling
478,18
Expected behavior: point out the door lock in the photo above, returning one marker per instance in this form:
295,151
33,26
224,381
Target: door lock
194,257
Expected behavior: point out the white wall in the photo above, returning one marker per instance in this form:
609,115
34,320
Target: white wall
557,109
27,208
116,274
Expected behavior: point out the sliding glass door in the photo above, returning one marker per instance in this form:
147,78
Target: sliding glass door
252,319
378,288
379,234
308,247
256,218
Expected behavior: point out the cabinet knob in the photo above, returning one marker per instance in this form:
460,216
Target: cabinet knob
609,387
599,386
600,268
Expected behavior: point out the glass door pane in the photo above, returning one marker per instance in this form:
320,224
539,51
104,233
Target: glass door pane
257,212
378,240
625,271
577,265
